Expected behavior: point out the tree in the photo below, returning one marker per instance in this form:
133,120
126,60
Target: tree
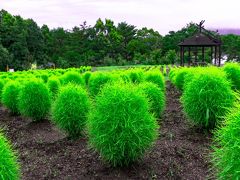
5,58
231,46
171,57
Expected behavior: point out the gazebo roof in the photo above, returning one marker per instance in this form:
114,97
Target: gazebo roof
200,39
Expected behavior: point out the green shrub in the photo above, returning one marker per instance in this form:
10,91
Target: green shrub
120,126
70,110
1,87
34,100
9,168
206,98
155,77
180,78
86,77
164,70
233,74
172,74
225,157
73,77
44,77
124,76
136,75
156,97
96,82
53,85
10,96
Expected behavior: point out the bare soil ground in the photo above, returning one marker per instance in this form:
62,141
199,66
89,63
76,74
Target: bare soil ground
45,153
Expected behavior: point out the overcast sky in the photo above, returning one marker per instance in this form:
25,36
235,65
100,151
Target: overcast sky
161,15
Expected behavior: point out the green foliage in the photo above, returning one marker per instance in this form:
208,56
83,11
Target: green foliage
44,77
53,85
233,74
164,70
70,110
34,100
73,77
97,80
1,88
5,58
180,78
156,97
125,77
120,126
86,77
171,57
206,98
10,168
135,75
231,46
23,42
10,94
172,75
155,77
225,157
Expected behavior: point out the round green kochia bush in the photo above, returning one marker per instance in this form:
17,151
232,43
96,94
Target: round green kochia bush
10,94
44,77
73,77
70,110
135,75
125,77
9,166
180,78
206,98
233,74
225,156
1,87
53,86
156,97
34,100
120,126
97,81
172,74
86,77
155,77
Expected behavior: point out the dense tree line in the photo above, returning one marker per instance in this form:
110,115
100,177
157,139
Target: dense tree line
23,42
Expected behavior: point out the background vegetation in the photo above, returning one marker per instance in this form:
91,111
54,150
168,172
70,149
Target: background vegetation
23,43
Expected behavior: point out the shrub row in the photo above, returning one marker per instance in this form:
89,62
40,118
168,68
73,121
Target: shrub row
9,168
209,101
31,99
206,94
225,156
121,122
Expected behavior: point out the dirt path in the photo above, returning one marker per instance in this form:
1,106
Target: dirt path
45,153
183,148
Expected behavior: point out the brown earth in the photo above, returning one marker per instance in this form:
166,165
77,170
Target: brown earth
45,153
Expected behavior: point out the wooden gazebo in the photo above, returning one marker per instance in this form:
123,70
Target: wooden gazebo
201,40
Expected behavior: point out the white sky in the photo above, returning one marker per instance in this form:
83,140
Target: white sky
161,15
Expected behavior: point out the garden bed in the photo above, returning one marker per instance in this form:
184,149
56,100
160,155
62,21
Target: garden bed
45,153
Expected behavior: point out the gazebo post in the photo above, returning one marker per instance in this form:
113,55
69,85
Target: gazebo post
189,55
215,56
211,54
196,53
219,60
